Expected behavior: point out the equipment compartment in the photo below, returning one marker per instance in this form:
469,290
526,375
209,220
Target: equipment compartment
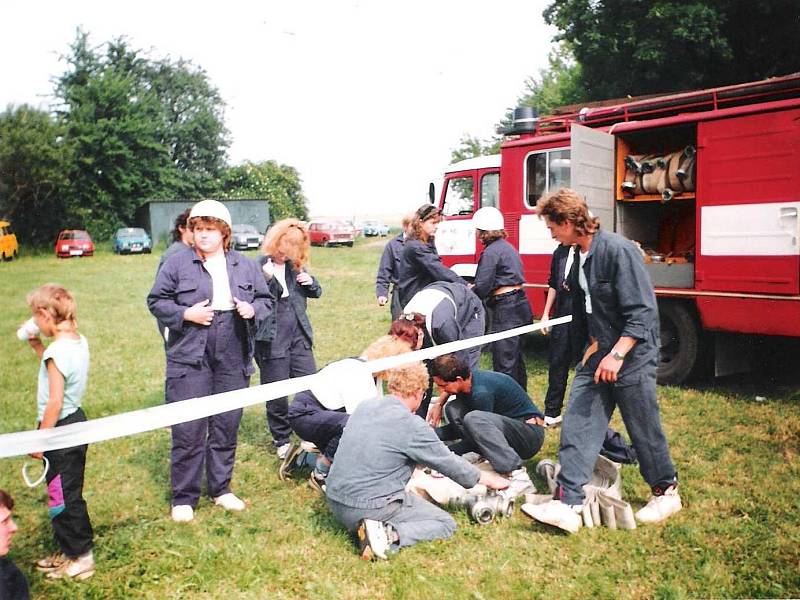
658,164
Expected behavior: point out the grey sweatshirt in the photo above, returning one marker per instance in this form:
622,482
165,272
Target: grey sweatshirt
380,446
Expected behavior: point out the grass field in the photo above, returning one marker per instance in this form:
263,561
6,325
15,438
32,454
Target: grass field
738,535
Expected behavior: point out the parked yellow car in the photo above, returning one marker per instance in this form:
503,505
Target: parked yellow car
9,248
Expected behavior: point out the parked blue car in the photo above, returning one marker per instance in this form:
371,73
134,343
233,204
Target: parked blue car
132,239
372,228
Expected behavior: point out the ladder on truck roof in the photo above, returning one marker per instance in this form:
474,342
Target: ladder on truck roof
602,114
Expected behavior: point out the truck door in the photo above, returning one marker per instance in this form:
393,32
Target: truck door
748,190
463,193
593,171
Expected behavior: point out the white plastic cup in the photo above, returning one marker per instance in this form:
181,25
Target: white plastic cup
27,330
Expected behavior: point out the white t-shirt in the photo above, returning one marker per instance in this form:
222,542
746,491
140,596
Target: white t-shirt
585,284
71,358
217,267
280,275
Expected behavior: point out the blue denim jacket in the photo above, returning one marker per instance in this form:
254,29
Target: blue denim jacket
182,282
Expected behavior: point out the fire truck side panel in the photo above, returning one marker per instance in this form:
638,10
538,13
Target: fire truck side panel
748,193
750,316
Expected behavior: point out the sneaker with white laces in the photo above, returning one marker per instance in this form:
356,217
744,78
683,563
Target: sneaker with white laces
230,501
182,513
552,421
79,568
555,513
521,484
660,507
283,450
374,539
51,563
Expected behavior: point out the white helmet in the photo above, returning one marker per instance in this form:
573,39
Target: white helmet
211,208
488,218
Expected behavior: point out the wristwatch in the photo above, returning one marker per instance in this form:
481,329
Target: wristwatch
617,355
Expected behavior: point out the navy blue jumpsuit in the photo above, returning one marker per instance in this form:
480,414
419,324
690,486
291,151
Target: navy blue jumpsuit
389,272
623,304
204,360
284,344
421,266
499,266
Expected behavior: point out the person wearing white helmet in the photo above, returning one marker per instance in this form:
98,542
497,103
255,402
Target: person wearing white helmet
498,281
211,300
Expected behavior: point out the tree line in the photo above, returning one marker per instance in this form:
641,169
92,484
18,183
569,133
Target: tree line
609,49
124,128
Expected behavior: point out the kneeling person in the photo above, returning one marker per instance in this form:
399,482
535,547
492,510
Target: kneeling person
491,415
379,449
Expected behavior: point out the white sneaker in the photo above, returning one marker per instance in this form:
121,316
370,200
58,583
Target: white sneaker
229,501
79,568
660,507
552,421
521,484
373,539
182,513
556,513
283,450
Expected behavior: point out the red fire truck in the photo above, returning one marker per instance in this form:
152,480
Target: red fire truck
708,184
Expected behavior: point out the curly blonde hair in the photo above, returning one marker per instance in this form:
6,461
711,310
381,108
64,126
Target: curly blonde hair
293,232
407,380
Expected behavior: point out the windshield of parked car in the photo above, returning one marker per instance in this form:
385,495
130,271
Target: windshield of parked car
244,229
131,232
75,235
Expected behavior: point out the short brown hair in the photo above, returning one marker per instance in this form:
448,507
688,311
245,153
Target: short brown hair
56,300
408,379
448,367
224,228
566,205
296,234
6,500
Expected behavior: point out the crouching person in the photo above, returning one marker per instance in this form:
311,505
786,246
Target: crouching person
379,449
491,415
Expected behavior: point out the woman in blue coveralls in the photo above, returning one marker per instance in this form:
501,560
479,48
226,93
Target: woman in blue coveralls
420,264
285,337
498,281
210,299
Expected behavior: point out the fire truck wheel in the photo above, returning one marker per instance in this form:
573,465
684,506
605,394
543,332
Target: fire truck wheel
680,344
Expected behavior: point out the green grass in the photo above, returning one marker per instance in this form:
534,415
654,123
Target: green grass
738,535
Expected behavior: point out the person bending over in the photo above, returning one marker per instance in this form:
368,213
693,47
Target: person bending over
380,447
491,415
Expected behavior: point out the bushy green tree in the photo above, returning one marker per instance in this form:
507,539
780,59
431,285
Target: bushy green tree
34,160
139,128
279,184
636,47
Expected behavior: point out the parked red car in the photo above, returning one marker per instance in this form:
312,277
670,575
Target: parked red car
74,242
329,233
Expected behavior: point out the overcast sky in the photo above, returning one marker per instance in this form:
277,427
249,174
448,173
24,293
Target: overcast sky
365,99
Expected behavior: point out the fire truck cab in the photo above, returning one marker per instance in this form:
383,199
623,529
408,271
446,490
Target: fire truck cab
706,182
